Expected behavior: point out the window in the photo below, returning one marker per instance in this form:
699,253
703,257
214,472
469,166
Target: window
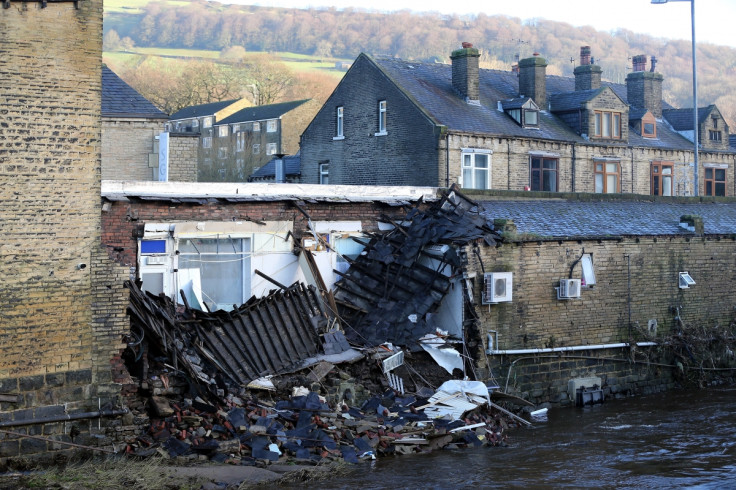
714,135
256,149
715,181
271,126
222,152
207,122
381,117
524,117
240,141
222,131
715,122
195,123
544,174
662,181
476,170
220,265
338,123
607,177
271,149
256,126
530,118
324,173
607,124
649,130
236,128
207,142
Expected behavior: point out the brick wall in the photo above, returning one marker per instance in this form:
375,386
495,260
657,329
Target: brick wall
406,155
128,151
123,223
183,157
537,319
56,331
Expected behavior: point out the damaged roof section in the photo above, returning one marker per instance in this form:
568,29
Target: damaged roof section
265,336
404,274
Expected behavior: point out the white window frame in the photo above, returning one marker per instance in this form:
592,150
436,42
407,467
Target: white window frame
271,148
339,123
236,128
271,126
256,127
222,131
240,141
468,159
222,152
382,117
257,149
207,142
324,173
195,123
207,122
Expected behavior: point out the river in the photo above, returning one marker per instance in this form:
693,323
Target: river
669,440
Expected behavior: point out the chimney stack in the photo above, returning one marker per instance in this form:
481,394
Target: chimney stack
465,77
587,75
533,79
644,88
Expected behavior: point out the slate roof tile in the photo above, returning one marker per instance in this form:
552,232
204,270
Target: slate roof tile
201,110
121,100
292,166
262,112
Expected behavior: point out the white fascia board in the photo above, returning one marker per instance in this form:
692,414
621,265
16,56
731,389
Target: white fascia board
119,190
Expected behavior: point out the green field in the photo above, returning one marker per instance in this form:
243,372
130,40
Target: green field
135,6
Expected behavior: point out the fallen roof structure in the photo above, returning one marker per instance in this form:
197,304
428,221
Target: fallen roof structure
402,275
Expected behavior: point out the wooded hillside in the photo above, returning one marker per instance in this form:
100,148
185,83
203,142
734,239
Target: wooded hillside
345,33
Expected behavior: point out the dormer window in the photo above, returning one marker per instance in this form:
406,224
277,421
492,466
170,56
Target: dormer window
649,130
607,124
524,111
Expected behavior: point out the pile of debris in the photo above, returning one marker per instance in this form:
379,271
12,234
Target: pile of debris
305,429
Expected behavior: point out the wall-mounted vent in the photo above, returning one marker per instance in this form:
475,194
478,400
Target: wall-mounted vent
497,287
568,289
686,280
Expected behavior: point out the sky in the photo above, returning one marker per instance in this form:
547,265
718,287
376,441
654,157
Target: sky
713,18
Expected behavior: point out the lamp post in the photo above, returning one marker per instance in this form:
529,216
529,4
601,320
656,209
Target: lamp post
695,87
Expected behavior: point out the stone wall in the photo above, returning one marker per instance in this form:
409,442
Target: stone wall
58,322
183,157
128,148
644,269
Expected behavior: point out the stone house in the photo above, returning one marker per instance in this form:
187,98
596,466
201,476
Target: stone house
248,139
235,138
392,121
130,127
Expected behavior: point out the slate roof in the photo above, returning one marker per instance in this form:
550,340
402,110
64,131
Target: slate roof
571,101
635,113
262,112
201,110
569,218
429,85
292,166
682,119
121,100
516,103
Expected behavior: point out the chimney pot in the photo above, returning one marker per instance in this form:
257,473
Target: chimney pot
535,54
467,45
640,62
584,55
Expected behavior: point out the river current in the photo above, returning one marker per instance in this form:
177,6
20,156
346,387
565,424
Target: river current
678,439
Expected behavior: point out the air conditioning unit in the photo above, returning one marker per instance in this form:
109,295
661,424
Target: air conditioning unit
497,287
569,288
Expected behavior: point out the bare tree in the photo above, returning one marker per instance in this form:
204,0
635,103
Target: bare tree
268,79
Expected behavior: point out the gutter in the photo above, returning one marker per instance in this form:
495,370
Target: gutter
64,418
569,349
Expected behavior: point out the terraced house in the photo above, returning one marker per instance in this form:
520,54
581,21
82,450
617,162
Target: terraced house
396,122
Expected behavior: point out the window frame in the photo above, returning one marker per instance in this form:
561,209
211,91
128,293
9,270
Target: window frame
272,148
207,122
271,126
240,141
339,123
324,173
470,156
607,124
207,142
715,135
382,118
656,174
542,171
605,173
222,152
712,181
222,131
256,148
256,127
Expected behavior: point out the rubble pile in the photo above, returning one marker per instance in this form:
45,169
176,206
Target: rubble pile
305,429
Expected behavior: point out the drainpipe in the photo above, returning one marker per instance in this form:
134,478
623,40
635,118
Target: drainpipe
632,172
447,159
508,165
65,417
628,286
570,349
573,166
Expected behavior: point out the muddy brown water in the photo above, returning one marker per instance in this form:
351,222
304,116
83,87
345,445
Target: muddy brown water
680,439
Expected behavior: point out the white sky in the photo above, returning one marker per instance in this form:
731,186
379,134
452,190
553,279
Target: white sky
713,18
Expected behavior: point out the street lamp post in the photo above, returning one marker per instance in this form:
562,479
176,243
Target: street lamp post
695,88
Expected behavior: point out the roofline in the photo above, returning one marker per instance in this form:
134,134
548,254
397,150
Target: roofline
162,117
119,190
